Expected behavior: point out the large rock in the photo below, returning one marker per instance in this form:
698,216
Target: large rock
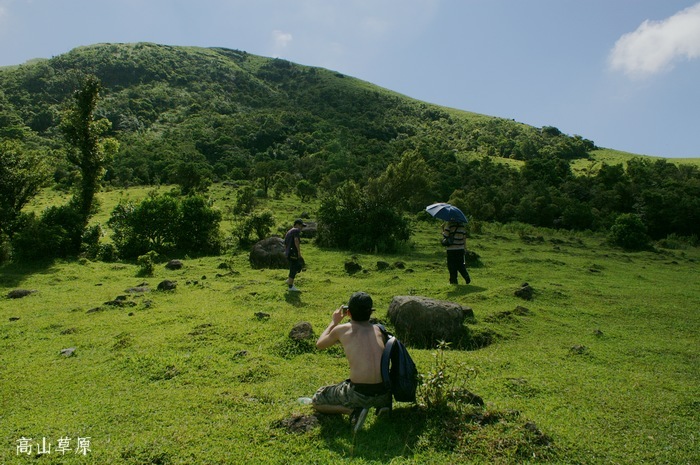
424,321
268,253
301,331
310,231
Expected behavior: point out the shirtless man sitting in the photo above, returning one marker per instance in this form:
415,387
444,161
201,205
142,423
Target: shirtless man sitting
363,344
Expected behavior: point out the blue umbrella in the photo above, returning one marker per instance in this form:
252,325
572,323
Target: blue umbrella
446,212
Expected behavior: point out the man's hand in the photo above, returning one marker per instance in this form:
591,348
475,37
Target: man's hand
328,337
338,315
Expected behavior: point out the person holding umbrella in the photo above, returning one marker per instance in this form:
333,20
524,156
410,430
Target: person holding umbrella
454,235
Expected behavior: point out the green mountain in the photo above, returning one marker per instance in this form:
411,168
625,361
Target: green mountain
228,108
189,115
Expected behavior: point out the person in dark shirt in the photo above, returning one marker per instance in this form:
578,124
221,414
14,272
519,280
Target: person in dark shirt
292,250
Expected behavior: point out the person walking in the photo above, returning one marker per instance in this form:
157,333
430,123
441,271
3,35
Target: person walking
292,250
454,235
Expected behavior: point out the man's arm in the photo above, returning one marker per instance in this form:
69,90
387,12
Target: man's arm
330,337
297,243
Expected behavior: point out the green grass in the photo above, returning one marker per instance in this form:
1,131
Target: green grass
604,363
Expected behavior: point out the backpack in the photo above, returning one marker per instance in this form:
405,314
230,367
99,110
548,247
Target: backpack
399,373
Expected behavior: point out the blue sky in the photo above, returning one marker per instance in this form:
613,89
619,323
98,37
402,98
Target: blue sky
623,73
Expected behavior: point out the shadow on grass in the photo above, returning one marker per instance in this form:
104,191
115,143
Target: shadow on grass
461,290
13,274
381,438
294,298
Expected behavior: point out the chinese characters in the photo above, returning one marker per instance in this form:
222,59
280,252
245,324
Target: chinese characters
63,445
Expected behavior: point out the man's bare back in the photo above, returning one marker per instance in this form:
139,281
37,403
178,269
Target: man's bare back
363,344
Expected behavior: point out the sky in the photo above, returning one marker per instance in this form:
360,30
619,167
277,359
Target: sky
622,73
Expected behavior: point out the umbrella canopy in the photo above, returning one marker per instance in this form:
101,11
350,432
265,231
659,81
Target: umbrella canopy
446,212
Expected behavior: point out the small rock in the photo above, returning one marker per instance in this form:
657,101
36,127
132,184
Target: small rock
298,423
167,285
174,265
525,292
68,352
381,265
262,316
578,350
352,267
19,293
137,290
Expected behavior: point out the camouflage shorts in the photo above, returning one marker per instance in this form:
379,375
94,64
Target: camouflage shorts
344,394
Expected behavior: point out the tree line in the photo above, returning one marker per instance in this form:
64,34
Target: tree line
187,116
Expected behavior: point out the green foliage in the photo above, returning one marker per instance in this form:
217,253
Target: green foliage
629,232
56,233
305,190
349,219
198,226
85,134
407,185
258,223
22,174
245,201
163,223
271,123
147,263
443,386
90,243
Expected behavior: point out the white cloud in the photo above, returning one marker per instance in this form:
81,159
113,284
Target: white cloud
656,45
280,41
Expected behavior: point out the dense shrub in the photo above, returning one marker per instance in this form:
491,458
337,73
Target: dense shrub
349,219
629,232
260,223
56,233
165,224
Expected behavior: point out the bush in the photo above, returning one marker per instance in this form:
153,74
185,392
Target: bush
147,263
630,232
107,253
91,241
56,233
260,223
164,224
351,220
198,226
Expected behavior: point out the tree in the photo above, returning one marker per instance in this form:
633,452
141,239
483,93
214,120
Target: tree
22,174
90,150
629,232
350,219
305,190
406,184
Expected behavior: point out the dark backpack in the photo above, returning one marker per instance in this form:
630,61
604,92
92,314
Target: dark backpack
399,373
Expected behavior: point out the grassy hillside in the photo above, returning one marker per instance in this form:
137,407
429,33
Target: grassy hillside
600,367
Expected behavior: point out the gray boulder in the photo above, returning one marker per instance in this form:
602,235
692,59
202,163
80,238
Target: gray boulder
174,265
302,331
268,253
424,321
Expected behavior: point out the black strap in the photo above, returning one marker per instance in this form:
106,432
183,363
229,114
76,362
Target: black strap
386,355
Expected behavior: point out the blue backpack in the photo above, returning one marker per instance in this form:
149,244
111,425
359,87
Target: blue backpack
399,373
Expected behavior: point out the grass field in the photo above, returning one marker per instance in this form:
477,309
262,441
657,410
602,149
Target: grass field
601,367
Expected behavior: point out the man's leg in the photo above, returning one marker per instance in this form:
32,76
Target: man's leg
332,409
452,267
